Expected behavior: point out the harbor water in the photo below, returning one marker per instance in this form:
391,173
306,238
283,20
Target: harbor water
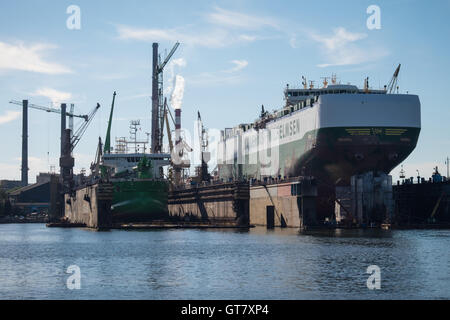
222,264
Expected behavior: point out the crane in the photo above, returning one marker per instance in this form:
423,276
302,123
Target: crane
393,83
70,114
82,129
107,147
157,97
70,141
163,64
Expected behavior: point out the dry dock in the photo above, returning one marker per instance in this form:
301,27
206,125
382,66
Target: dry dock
90,206
225,204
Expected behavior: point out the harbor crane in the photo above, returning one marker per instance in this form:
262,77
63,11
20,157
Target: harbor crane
69,142
25,105
70,114
393,83
76,137
157,97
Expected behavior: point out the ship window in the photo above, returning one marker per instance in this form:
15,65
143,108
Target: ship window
295,94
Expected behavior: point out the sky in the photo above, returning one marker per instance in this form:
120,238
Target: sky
234,56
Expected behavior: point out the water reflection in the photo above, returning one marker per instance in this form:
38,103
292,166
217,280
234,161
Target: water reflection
223,263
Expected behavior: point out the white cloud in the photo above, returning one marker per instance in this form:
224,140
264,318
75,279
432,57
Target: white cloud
222,29
340,49
215,38
55,96
234,19
28,58
239,65
10,171
206,79
340,38
293,42
9,116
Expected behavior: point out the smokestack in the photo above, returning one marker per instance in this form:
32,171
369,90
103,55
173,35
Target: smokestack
155,97
177,119
25,142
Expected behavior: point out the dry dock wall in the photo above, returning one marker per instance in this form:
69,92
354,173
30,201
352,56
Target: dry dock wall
221,204
290,204
422,203
90,205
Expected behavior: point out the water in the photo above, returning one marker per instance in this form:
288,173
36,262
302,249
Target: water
222,264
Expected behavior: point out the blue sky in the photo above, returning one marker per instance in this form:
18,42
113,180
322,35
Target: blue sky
234,56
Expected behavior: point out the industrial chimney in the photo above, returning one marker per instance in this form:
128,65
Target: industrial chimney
25,143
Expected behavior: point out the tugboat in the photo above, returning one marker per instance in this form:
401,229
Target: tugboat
140,189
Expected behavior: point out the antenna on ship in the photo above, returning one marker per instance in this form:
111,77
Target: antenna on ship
402,173
311,84
325,82
447,163
333,78
366,84
304,83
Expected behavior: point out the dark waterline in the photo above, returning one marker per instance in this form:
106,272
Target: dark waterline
222,264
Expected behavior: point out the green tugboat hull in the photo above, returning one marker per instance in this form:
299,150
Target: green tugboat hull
139,200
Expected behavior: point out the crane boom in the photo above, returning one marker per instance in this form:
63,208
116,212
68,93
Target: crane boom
393,83
82,129
107,147
47,109
162,65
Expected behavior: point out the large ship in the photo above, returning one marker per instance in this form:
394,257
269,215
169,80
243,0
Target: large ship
140,189
331,133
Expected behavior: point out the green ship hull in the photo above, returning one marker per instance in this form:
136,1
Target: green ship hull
139,200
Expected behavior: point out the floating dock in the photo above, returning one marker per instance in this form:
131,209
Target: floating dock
90,206
422,205
224,204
